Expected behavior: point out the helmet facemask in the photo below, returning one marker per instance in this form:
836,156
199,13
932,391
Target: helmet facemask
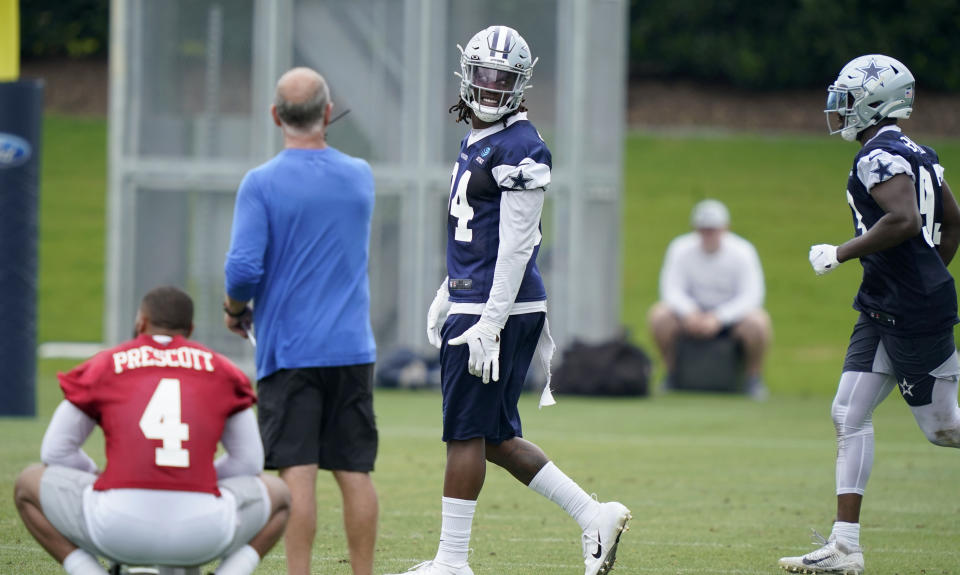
840,112
491,92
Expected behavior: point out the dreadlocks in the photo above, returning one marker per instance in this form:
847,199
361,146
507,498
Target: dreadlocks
463,112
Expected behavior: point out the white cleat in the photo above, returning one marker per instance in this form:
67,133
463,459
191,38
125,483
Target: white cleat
831,557
433,568
601,537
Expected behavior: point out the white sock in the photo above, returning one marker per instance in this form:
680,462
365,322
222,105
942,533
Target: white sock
241,562
455,531
80,562
557,487
847,533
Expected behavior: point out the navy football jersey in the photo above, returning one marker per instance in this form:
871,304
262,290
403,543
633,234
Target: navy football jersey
508,161
906,289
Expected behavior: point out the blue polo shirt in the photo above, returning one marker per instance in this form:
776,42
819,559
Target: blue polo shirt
299,248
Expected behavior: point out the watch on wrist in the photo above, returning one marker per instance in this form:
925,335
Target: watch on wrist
237,315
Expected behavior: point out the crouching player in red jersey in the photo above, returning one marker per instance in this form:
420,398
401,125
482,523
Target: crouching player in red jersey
163,403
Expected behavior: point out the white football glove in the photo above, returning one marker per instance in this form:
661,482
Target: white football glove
823,258
483,338
437,315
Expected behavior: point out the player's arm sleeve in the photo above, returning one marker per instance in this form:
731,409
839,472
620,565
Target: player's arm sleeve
880,165
673,281
62,443
519,234
444,289
243,396
752,289
244,448
243,268
79,385
523,189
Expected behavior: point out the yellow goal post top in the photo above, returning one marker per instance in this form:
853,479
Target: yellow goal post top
9,40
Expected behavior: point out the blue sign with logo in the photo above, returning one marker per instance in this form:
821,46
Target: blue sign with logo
485,152
14,151
21,115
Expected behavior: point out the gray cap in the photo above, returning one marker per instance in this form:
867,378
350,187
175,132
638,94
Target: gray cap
710,214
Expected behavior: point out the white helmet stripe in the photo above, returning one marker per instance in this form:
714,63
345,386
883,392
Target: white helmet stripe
495,44
507,42
501,42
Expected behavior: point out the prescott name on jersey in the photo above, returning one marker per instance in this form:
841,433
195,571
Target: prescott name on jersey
162,403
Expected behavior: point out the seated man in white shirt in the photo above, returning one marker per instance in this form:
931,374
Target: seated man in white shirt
711,285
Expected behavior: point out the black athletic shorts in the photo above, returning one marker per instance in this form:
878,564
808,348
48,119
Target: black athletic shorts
319,415
915,362
473,409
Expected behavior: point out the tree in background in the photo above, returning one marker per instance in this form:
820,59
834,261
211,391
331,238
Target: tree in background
787,44
57,28
783,44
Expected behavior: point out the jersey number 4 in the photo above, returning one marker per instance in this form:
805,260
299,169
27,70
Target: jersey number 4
459,208
161,420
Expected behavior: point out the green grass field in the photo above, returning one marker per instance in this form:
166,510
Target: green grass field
72,234
716,484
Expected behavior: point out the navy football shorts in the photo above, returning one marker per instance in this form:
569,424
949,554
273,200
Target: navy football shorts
915,361
319,416
471,408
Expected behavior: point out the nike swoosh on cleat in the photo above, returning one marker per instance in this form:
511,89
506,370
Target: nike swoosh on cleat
599,547
812,562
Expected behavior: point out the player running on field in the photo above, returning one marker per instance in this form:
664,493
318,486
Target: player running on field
906,230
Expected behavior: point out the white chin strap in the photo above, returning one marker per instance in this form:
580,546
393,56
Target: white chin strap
486,117
849,133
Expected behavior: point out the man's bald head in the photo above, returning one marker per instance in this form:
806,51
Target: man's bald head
301,99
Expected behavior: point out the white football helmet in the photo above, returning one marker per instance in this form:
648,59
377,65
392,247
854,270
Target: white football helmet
495,68
868,89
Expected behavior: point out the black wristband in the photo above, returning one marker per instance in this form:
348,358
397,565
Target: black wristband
241,313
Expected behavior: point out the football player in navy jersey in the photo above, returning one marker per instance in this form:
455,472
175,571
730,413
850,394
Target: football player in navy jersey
489,315
906,231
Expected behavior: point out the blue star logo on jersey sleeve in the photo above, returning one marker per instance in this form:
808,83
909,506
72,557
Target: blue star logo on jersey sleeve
882,171
520,182
872,71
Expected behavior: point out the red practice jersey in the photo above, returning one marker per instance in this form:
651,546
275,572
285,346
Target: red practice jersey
162,408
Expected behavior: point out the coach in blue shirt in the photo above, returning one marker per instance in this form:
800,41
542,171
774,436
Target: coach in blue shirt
299,250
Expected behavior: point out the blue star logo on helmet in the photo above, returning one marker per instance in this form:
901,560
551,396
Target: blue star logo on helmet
485,152
872,72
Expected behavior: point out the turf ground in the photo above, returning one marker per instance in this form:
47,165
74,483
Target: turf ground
716,484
